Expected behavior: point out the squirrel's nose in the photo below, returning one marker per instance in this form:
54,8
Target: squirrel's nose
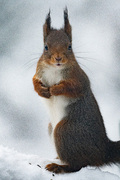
58,59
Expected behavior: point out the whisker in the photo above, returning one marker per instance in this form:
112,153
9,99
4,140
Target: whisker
79,45
32,60
89,60
84,66
81,52
95,61
30,63
86,58
36,54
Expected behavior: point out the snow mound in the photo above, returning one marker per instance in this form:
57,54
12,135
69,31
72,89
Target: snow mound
17,166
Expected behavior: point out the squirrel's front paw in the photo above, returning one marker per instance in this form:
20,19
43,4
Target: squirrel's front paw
56,90
40,88
44,92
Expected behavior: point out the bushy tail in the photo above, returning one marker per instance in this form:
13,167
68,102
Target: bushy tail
113,152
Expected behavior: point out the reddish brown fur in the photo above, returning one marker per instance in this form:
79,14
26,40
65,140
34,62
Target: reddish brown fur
68,88
80,137
40,88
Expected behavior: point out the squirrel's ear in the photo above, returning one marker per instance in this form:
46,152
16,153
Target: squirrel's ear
67,26
47,26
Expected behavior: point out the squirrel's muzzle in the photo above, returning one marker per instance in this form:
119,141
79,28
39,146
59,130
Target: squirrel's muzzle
58,59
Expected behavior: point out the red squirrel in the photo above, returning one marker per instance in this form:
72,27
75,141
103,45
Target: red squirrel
76,122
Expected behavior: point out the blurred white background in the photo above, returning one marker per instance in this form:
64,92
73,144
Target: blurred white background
96,43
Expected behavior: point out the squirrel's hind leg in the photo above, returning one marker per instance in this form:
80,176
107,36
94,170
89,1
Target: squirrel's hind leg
65,147
56,168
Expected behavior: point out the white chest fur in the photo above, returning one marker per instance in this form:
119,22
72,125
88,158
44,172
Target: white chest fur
57,108
51,75
56,104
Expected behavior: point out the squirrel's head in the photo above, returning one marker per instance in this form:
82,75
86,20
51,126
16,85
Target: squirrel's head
57,43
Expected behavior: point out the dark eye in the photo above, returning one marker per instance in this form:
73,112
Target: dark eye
46,47
69,47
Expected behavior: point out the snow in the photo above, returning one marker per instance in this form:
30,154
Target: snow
23,117
17,166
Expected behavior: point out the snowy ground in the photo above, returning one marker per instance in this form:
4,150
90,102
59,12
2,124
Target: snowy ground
23,117
17,166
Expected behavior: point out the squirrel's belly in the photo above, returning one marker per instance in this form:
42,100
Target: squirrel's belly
57,108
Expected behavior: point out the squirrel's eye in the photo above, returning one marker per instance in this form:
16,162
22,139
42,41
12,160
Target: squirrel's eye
69,47
46,47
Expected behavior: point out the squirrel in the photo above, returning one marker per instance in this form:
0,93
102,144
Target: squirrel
77,125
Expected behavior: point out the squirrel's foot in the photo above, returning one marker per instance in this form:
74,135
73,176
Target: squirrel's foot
56,168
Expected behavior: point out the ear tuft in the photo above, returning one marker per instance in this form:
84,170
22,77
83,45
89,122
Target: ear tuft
67,26
48,19
65,13
47,26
